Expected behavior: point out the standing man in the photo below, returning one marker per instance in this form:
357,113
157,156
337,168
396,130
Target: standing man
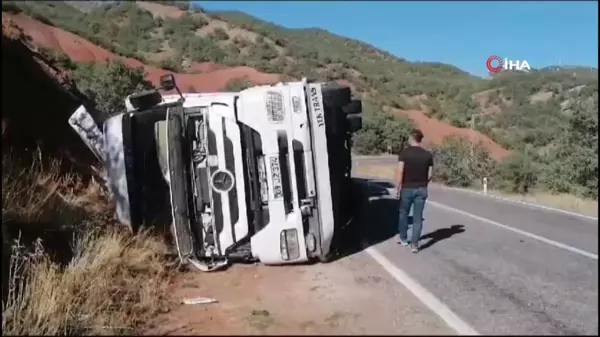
415,168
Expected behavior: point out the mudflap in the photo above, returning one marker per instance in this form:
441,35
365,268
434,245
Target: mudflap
177,185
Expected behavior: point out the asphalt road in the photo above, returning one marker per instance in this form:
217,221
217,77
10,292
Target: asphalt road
503,268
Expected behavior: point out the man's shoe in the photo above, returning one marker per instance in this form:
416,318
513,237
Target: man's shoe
402,242
414,249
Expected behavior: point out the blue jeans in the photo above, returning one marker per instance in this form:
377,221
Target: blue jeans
412,197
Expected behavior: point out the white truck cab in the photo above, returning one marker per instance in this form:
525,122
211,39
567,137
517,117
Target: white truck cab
258,175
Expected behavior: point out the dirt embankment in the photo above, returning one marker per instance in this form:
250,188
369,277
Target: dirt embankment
37,99
436,131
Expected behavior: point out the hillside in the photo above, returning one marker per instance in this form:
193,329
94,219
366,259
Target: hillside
169,38
519,113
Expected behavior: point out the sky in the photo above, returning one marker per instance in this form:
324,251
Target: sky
461,33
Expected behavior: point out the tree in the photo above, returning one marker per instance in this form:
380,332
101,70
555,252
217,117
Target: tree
107,85
517,173
381,131
575,164
455,166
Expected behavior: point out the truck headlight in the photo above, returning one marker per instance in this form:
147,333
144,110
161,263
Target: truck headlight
288,244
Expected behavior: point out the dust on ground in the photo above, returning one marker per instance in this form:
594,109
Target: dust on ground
353,295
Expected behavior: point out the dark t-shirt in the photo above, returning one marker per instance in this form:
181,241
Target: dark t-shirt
417,161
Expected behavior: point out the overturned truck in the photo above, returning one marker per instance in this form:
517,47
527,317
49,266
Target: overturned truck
257,175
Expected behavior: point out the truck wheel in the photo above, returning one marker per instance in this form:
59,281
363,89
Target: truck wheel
335,94
354,107
354,123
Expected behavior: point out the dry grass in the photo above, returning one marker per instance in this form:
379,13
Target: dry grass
41,193
562,201
113,282
387,172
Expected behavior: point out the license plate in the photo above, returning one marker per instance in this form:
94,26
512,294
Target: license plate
276,178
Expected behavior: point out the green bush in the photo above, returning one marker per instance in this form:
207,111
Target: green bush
171,64
107,85
454,165
220,34
201,49
238,84
263,51
183,26
574,166
57,58
10,8
381,131
241,42
517,173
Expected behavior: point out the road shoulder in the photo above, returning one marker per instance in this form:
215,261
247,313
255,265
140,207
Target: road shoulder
352,295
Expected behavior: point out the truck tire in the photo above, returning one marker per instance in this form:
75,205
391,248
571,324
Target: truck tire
335,94
354,107
354,122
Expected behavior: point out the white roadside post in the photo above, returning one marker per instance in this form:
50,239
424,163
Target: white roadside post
485,185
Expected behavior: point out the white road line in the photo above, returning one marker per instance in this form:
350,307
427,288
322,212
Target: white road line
434,304
516,230
585,216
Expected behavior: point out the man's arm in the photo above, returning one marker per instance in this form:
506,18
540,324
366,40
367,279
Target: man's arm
399,170
430,171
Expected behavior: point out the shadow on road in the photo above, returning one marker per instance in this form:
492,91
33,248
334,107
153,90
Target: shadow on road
441,234
376,220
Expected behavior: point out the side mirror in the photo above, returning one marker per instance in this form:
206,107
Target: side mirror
167,82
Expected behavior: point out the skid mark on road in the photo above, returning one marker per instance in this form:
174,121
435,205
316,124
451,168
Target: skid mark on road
518,231
432,302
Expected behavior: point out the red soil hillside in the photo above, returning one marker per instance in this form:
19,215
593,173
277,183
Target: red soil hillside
82,50
206,67
435,131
